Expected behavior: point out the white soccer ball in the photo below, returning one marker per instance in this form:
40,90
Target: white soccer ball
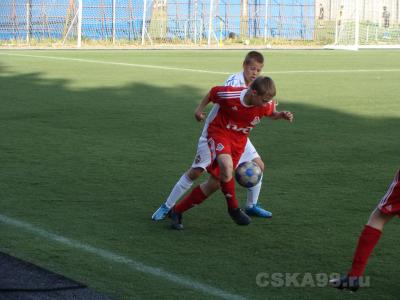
248,174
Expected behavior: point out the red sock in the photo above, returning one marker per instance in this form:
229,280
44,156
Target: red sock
368,239
228,189
195,197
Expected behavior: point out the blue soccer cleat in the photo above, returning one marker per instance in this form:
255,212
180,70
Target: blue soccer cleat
258,211
160,213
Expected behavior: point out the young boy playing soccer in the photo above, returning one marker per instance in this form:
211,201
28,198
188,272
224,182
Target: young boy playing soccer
252,66
388,207
239,110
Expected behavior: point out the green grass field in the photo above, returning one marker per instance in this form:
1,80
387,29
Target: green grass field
91,142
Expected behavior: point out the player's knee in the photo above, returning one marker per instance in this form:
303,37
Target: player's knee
226,173
194,173
210,186
378,219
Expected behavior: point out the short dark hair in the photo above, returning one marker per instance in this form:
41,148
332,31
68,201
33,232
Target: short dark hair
254,56
264,85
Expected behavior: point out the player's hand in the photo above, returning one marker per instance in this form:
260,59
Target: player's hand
287,115
199,115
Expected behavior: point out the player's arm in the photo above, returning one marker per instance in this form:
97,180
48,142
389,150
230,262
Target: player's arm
199,113
276,115
286,115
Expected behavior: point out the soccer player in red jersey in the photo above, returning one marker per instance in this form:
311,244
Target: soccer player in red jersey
388,207
239,110
252,66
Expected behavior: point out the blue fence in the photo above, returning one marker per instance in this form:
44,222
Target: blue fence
49,19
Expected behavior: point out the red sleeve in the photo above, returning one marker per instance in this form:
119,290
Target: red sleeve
213,97
270,108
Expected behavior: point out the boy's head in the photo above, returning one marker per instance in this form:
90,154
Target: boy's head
252,66
262,90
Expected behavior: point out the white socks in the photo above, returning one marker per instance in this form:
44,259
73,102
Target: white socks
181,187
253,193
184,184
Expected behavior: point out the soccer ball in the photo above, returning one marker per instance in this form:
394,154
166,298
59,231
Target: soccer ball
248,174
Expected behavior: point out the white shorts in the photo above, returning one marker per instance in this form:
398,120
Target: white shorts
203,154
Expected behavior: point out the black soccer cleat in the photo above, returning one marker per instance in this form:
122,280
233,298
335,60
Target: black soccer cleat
239,216
176,219
351,283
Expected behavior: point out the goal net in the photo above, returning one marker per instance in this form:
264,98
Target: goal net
366,24
340,24
30,22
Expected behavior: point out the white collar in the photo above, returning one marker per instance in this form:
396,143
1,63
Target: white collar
242,94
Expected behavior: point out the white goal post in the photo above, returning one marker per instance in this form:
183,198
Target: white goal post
75,27
366,24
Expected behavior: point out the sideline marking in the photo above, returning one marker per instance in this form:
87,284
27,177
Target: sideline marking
197,70
132,263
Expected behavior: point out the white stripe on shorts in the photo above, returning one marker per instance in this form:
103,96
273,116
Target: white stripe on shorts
390,190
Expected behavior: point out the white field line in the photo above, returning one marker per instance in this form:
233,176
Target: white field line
198,70
117,63
116,258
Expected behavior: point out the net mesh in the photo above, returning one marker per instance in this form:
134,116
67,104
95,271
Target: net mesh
195,22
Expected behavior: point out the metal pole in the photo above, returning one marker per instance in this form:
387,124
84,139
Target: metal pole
379,13
144,20
189,18
363,14
195,22
210,22
113,22
79,33
338,19
357,29
28,20
266,21
330,10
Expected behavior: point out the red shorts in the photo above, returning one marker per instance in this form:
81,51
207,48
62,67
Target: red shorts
224,145
390,203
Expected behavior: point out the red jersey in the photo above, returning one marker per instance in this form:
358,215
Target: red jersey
233,117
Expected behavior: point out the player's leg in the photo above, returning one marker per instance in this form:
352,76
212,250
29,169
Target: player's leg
227,182
196,196
387,208
369,237
210,186
253,208
367,241
378,219
200,163
181,187
222,168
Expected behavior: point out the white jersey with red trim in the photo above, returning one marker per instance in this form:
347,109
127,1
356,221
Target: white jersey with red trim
234,117
236,80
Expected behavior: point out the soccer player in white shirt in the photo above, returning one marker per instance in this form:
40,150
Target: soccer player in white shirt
252,66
